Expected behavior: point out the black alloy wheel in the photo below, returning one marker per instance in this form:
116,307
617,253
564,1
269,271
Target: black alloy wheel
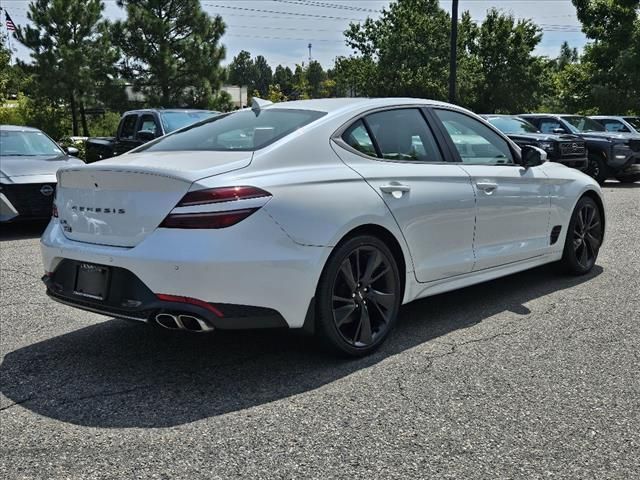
597,168
584,237
359,296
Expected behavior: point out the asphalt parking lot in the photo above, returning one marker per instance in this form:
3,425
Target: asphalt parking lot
532,376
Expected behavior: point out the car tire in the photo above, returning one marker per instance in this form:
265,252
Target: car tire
358,296
629,178
584,238
597,168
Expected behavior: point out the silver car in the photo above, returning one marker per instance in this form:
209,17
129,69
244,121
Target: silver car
29,160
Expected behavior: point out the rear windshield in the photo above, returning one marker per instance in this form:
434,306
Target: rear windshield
175,120
245,130
512,125
634,121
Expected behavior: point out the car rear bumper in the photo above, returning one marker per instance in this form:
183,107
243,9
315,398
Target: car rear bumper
249,275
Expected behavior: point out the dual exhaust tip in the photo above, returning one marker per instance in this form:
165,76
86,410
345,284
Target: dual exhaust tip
186,322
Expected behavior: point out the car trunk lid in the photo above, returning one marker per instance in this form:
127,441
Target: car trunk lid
121,201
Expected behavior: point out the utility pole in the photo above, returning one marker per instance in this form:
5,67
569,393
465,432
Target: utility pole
309,53
453,61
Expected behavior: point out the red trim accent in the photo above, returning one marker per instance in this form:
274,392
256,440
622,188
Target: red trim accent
206,220
190,301
221,194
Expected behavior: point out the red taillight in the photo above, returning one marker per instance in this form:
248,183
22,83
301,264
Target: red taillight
222,194
206,219
190,301
218,219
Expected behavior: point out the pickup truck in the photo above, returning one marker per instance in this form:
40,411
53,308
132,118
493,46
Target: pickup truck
610,154
141,126
570,150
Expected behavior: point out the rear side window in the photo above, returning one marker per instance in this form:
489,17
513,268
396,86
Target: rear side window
245,130
129,127
357,137
476,143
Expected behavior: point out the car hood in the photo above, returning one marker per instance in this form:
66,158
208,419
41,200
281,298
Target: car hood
37,165
543,137
610,136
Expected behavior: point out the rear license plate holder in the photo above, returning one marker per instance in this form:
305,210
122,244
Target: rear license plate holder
92,281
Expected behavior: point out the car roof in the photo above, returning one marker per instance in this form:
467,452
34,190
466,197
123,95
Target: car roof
330,105
19,128
170,110
617,117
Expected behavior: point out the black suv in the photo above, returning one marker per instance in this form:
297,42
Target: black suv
610,154
570,150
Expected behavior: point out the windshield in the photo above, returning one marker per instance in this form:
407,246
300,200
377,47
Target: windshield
22,144
175,120
244,130
634,121
512,125
584,124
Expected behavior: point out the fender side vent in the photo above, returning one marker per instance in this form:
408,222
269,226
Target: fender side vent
555,233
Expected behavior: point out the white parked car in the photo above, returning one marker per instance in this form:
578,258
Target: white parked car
324,215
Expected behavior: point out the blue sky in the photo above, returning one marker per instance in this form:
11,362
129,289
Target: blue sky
282,29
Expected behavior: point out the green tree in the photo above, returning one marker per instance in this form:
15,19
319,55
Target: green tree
66,39
283,76
172,51
241,71
5,70
409,44
300,83
614,53
315,76
510,72
263,76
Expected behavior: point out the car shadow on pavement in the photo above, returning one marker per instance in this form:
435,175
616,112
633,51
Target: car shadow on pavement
621,185
117,374
22,230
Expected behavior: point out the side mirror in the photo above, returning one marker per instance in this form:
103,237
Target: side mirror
146,135
533,156
73,151
559,130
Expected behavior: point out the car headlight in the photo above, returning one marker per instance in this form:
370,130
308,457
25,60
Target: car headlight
622,151
546,146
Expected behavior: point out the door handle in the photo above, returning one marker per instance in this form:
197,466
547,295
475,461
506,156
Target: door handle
395,187
488,187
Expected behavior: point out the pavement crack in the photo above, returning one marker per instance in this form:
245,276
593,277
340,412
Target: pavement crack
19,402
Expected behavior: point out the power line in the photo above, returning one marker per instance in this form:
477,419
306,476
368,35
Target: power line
297,14
313,3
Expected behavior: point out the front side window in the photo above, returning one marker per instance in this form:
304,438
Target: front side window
128,130
476,143
26,144
148,124
614,126
403,134
550,126
245,130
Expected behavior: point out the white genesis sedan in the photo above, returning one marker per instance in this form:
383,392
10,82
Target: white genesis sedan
321,215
